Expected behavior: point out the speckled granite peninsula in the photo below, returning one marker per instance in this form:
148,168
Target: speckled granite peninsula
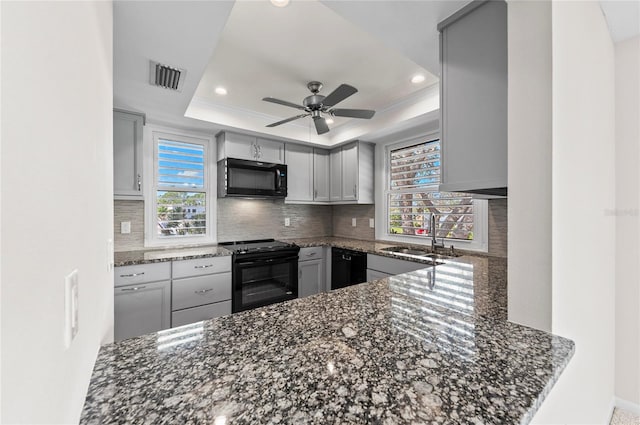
431,346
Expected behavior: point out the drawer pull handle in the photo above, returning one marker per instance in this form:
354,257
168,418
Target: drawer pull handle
137,288
132,274
203,267
203,291
311,254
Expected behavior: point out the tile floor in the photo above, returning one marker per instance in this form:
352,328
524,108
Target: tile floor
622,417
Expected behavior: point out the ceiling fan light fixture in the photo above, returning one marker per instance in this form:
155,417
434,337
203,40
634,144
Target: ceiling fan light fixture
280,3
329,120
417,79
221,91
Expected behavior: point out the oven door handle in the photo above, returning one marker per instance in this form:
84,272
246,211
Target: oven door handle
268,261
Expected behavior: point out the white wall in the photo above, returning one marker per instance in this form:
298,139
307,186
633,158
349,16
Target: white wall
57,215
529,130
627,81
583,235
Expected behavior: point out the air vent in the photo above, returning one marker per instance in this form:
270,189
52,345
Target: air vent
166,76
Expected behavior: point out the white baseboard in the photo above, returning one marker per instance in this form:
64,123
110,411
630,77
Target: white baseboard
628,406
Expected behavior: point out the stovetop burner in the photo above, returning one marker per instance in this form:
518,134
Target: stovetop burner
261,245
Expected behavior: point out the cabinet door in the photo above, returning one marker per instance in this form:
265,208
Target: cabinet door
270,151
239,146
310,274
474,99
127,155
374,275
335,172
321,175
300,173
141,309
350,172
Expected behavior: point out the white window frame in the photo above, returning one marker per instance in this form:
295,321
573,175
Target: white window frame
152,134
480,206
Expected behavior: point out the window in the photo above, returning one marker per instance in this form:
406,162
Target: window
180,207
413,197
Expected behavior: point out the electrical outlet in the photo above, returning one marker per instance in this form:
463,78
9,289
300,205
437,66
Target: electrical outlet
287,222
125,227
71,299
353,222
372,223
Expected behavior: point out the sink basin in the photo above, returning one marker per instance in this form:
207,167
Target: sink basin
418,253
408,251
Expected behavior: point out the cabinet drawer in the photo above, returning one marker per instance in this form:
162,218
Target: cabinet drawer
311,253
392,266
198,314
127,275
201,266
200,290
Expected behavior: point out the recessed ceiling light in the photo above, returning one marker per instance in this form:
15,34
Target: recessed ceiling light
418,78
329,120
280,3
221,91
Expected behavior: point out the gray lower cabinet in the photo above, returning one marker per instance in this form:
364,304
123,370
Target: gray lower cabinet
201,290
375,274
310,271
200,313
389,266
141,308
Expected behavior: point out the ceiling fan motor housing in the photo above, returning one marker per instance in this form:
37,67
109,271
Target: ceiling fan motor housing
313,102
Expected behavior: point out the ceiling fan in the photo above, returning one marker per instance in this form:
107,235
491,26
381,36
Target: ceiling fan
317,104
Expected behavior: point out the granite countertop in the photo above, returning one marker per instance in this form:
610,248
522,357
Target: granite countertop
430,346
128,258
147,256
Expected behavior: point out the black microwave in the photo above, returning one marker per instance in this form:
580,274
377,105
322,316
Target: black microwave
251,179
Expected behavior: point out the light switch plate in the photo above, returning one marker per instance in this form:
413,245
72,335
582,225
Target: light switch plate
287,222
372,223
71,299
354,222
125,227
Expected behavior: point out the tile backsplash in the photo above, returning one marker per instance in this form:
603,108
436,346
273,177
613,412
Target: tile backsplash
242,219
132,211
498,227
342,221
245,219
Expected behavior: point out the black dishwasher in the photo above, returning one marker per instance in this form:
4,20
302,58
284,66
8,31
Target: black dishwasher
347,267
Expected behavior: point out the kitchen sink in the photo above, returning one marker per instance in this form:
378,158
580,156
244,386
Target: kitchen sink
418,253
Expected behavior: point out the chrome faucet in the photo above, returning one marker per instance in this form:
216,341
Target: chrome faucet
434,241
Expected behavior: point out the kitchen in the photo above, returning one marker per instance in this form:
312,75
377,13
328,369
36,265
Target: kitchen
64,261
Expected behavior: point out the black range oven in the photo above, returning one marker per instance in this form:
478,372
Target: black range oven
264,272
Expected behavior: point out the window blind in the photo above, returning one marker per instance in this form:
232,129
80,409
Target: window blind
181,189
180,165
414,175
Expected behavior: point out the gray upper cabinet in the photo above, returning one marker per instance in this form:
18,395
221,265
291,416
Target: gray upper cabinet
242,146
350,172
473,53
321,175
127,154
335,172
300,171
351,169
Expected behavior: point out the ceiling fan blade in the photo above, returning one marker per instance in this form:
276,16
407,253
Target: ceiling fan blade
321,125
353,113
339,94
283,102
287,120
